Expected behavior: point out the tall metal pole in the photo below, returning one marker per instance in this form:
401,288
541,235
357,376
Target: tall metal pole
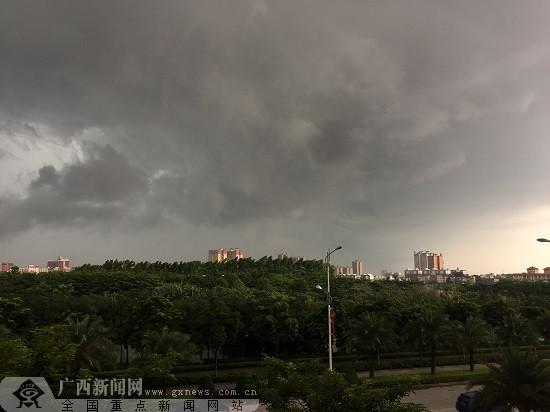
328,313
329,298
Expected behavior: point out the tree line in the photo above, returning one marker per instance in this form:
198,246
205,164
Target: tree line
154,316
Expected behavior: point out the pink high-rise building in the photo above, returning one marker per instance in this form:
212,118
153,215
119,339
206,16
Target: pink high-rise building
6,266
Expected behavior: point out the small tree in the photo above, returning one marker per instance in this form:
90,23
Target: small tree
54,352
470,335
371,333
543,324
517,330
287,386
431,328
214,324
15,357
94,348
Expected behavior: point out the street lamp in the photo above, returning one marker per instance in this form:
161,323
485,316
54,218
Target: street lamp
327,260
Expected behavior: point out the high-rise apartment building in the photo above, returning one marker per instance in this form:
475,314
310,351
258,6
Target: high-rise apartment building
357,267
428,260
235,253
61,264
293,259
217,255
6,266
344,270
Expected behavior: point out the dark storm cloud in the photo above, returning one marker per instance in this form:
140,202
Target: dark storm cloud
102,187
239,111
105,176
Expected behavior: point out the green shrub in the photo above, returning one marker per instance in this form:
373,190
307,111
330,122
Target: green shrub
206,383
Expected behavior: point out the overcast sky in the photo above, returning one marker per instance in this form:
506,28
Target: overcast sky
160,129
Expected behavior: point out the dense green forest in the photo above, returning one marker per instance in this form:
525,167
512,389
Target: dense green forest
156,317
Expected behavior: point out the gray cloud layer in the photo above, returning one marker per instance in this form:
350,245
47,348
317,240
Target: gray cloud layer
226,114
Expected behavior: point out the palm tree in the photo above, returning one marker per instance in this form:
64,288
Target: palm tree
431,328
470,335
372,332
521,381
94,348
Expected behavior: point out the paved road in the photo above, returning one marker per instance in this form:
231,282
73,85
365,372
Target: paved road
438,399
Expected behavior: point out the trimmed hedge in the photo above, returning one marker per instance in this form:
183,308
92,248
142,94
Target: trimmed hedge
195,374
391,356
425,378
361,366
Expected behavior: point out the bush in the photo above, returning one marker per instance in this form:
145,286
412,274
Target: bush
206,383
245,382
349,372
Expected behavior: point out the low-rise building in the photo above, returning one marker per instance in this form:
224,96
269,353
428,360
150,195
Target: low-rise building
385,275
437,275
33,269
460,276
531,274
489,279
293,259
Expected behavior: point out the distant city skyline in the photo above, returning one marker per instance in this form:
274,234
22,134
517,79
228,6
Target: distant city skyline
545,263
386,127
60,264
